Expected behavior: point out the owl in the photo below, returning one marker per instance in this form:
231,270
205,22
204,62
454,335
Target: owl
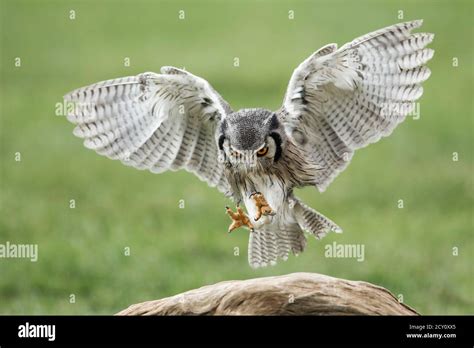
337,101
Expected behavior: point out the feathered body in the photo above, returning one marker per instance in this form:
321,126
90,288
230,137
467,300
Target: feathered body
274,175
337,101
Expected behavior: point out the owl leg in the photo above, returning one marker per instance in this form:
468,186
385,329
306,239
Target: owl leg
238,219
263,208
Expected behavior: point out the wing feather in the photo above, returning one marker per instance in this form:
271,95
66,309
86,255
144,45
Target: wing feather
345,99
153,121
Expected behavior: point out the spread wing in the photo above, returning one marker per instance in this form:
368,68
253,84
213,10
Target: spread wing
340,100
153,121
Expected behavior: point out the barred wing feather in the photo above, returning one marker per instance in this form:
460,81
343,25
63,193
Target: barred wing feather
340,100
153,121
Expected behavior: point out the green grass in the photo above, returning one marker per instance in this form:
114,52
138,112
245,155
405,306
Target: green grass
81,250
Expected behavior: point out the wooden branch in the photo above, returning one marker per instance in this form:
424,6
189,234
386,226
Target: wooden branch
292,294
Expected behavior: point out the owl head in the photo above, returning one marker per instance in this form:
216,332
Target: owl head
251,137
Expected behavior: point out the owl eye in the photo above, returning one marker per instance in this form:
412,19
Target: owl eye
262,152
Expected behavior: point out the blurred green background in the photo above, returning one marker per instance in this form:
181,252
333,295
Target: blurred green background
81,250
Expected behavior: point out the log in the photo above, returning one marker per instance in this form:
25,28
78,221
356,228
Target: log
291,294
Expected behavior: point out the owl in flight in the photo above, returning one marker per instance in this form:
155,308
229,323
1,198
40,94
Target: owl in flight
337,101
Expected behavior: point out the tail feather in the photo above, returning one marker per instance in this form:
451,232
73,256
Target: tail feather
313,222
269,243
276,240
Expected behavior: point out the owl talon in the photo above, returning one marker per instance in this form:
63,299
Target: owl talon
263,208
238,219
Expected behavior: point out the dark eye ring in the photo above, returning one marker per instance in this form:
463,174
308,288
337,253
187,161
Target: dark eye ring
262,152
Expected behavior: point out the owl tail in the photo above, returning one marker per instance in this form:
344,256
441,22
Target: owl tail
312,221
269,243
